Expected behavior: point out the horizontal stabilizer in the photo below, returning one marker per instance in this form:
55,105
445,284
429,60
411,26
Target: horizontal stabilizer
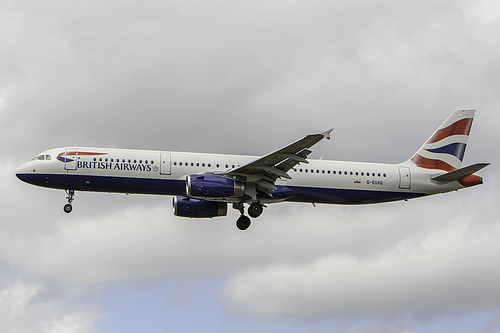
460,173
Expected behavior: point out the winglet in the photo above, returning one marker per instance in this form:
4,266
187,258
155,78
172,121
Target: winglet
326,134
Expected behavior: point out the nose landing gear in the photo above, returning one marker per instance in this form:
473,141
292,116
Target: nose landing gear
70,196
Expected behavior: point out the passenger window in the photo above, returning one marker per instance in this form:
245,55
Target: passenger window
203,164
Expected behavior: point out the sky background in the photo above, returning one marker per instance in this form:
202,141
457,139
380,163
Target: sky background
248,77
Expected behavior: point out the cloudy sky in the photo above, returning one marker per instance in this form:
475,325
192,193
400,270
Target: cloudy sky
247,77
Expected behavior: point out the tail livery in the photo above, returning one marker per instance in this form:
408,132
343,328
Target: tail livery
445,150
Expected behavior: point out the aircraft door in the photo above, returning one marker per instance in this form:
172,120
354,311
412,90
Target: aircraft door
404,178
165,164
70,158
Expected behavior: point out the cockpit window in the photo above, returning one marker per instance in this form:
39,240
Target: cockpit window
41,158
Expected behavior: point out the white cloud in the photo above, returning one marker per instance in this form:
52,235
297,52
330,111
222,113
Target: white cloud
25,308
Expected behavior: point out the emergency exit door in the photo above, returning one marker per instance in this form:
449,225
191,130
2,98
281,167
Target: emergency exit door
165,164
404,178
70,158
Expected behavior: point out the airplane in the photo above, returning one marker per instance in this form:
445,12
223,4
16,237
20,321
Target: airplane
202,185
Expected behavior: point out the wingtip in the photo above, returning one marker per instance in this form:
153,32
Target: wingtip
327,133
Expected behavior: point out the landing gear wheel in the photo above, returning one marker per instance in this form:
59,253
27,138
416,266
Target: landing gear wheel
70,196
68,208
243,222
255,210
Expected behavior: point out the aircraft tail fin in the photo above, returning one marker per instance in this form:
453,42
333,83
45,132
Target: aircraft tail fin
445,149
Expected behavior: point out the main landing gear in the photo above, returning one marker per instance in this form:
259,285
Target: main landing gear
70,196
255,210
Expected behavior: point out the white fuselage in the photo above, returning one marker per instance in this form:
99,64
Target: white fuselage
164,172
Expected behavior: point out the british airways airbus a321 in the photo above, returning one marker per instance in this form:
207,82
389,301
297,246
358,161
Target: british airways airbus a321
204,184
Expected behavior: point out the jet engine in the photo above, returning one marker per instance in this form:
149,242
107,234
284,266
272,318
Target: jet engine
188,207
210,186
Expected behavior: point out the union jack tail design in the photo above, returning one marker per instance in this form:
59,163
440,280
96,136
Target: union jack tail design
445,149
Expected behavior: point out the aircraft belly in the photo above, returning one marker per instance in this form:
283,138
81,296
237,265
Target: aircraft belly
94,183
348,196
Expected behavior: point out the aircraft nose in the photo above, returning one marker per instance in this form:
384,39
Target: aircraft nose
21,172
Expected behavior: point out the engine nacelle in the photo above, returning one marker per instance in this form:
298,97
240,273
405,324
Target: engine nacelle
188,207
210,186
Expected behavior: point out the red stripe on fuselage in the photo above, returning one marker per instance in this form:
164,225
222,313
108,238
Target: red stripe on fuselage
74,153
461,127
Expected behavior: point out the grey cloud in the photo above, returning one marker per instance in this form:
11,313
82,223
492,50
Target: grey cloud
447,269
247,78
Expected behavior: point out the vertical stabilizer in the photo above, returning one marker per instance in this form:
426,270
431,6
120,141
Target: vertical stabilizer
445,149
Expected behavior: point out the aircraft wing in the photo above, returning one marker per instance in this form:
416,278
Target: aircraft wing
264,171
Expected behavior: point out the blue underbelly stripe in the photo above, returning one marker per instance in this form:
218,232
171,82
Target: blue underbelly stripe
177,187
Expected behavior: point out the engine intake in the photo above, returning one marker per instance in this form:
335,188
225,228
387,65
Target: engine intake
188,207
210,186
